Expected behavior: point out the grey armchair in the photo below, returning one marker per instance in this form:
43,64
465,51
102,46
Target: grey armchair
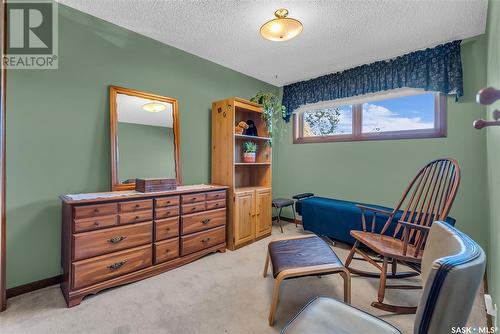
452,269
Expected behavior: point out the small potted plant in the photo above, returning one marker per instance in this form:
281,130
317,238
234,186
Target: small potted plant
249,149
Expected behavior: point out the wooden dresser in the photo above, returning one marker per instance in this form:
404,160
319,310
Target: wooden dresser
109,239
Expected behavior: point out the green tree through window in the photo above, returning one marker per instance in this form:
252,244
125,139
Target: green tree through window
321,122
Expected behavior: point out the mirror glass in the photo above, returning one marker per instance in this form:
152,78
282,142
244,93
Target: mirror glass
145,138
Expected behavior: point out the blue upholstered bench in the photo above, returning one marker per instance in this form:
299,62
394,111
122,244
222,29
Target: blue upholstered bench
335,218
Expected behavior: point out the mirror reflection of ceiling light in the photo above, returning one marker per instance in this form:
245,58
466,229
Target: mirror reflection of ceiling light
154,107
281,28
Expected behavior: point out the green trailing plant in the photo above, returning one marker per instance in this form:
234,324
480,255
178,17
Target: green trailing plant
274,111
249,147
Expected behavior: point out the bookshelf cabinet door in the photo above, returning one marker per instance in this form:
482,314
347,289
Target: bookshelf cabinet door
244,217
263,218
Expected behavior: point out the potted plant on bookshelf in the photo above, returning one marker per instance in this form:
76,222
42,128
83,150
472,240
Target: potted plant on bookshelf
273,110
249,151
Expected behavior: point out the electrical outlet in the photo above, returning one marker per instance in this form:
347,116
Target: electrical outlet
491,309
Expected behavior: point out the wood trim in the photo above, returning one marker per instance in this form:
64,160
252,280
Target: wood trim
113,92
439,131
287,219
489,318
3,238
33,286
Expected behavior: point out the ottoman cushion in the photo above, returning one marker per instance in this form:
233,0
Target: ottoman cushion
301,253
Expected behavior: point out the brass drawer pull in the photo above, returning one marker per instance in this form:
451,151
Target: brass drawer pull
96,224
205,240
205,221
137,217
116,240
117,265
96,210
137,205
168,229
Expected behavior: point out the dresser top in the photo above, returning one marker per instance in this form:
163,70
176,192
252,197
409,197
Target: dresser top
110,196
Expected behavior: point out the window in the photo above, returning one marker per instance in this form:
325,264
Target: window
401,114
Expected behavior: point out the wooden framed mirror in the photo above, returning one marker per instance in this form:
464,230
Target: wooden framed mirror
144,137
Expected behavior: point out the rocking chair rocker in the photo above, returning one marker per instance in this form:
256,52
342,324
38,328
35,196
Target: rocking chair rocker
428,198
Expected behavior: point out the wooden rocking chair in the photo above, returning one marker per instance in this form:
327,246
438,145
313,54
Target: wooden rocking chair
428,198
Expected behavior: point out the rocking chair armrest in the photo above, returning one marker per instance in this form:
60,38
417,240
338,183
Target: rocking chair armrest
364,208
415,226
369,208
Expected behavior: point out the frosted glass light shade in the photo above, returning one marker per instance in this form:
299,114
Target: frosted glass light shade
281,28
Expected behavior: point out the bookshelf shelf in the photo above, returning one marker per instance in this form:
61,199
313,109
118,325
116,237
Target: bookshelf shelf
238,136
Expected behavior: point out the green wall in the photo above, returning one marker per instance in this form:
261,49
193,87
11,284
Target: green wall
58,126
378,171
493,155
145,151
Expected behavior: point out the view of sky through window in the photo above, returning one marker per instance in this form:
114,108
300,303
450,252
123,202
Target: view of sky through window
398,114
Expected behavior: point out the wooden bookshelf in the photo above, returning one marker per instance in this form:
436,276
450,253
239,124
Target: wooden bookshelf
250,193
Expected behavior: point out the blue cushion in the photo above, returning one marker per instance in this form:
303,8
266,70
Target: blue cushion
336,218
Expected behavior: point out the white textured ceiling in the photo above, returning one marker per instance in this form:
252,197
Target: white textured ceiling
338,34
130,111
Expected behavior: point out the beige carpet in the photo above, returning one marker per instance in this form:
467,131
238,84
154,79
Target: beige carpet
221,293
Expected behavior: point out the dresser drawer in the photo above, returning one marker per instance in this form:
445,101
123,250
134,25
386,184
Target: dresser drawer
166,228
203,221
98,269
88,224
211,205
201,240
134,206
167,201
167,212
88,211
193,198
166,250
216,195
88,244
136,217
191,208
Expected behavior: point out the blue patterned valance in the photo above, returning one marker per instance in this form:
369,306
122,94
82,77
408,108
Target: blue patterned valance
436,69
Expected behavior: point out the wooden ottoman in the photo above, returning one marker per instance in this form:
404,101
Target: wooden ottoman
302,256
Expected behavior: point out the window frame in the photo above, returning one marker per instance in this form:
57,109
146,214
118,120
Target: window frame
439,130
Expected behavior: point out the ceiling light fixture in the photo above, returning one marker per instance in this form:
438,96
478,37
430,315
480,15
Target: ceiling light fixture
154,107
281,28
